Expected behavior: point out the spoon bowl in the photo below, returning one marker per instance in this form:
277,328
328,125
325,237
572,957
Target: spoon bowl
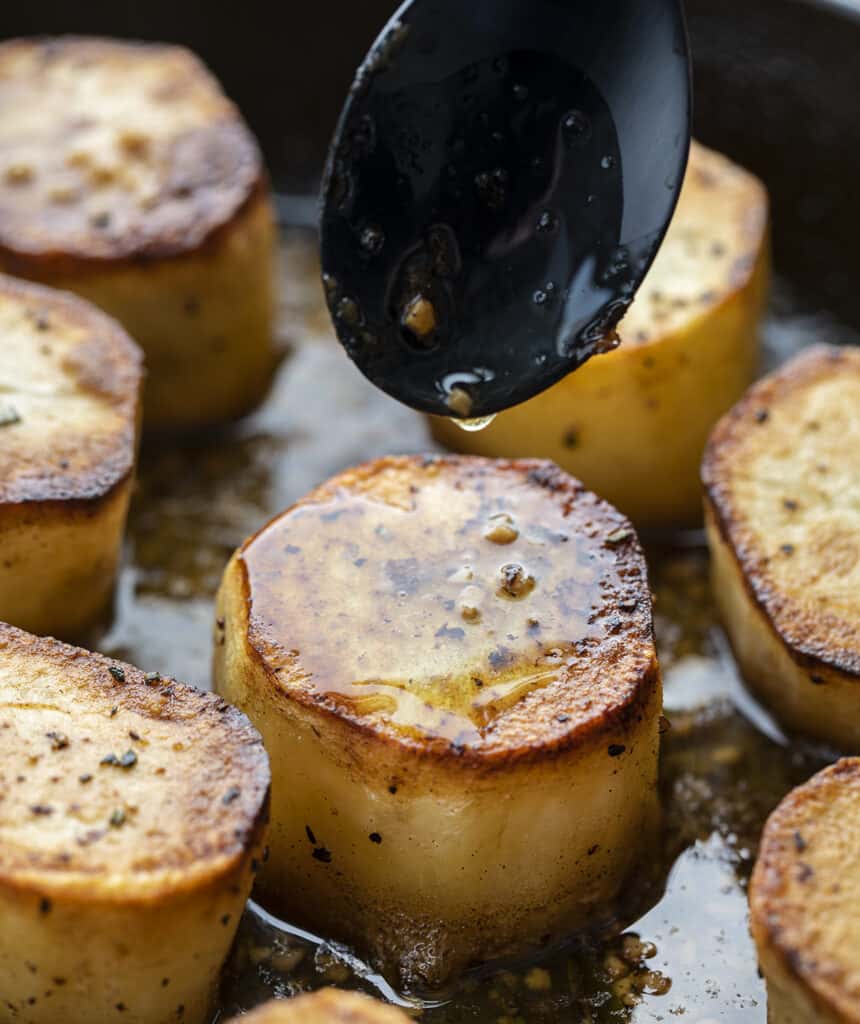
500,180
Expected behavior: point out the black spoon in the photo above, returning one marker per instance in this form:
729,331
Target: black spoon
500,180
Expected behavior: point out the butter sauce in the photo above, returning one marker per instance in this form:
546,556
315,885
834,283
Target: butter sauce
432,608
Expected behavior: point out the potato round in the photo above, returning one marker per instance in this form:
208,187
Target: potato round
132,813
782,477
452,665
805,901
70,381
632,423
327,1006
128,177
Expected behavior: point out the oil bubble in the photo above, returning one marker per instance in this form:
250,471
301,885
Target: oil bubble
576,128
547,222
371,239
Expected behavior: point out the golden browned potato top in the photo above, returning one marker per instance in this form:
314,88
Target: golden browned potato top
118,786
782,472
709,251
492,608
111,149
805,893
328,1006
70,381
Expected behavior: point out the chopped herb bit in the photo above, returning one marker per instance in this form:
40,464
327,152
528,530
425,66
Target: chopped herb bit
616,749
42,809
151,678
787,549
117,819
799,842
225,920
85,778
322,854
45,905
762,416
9,416
562,718
312,839
113,711
132,735
117,673
59,740
128,760
375,837
233,793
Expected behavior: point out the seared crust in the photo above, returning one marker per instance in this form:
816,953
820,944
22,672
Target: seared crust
705,259
781,474
585,634
182,809
70,381
115,151
327,1006
805,897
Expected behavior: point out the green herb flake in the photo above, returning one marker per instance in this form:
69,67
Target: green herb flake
117,819
9,416
117,673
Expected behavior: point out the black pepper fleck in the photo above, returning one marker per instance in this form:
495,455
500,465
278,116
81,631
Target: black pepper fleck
375,837
59,740
616,749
